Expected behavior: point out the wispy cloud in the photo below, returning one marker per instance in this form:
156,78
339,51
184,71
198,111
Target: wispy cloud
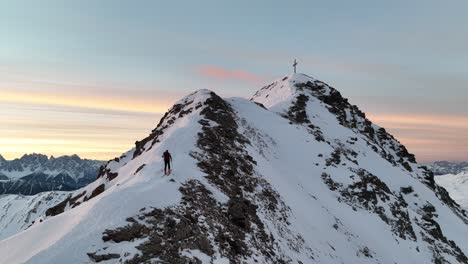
221,73
57,130
430,137
408,120
111,101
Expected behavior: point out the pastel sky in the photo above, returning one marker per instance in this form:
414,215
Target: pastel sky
92,77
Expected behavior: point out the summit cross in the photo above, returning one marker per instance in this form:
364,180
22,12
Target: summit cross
294,65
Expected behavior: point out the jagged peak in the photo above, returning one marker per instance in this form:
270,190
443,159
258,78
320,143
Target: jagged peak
191,104
300,78
199,96
44,159
287,88
34,156
67,157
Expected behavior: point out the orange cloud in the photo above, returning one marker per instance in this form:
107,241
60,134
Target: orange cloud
228,74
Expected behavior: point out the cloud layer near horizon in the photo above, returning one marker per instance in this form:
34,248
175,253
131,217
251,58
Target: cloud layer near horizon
59,130
429,137
104,133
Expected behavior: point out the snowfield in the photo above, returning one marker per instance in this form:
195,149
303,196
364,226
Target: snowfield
294,175
18,212
457,186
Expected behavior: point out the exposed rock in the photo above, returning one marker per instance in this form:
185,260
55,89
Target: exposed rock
297,114
100,189
98,258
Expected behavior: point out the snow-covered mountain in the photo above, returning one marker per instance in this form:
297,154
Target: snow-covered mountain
35,173
18,212
457,186
446,167
295,175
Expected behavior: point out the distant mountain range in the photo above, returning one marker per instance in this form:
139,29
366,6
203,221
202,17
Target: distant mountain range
446,167
35,173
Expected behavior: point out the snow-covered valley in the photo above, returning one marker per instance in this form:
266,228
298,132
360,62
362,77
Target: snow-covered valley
457,186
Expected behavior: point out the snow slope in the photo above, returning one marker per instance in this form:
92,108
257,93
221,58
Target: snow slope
18,212
457,186
295,175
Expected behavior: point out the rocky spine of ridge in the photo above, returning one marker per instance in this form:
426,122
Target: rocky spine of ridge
106,174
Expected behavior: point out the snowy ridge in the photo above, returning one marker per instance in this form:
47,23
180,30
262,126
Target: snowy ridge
297,176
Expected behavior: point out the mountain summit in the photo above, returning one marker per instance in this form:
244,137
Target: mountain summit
295,175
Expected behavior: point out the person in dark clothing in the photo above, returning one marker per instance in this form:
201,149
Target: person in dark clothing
167,162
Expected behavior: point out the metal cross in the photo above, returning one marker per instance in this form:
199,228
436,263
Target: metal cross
294,65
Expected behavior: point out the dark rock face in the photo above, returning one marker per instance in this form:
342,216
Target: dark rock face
239,170
98,258
100,189
240,212
126,233
187,226
231,169
435,237
59,208
74,201
298,115
442,194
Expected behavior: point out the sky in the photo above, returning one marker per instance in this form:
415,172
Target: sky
92,77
